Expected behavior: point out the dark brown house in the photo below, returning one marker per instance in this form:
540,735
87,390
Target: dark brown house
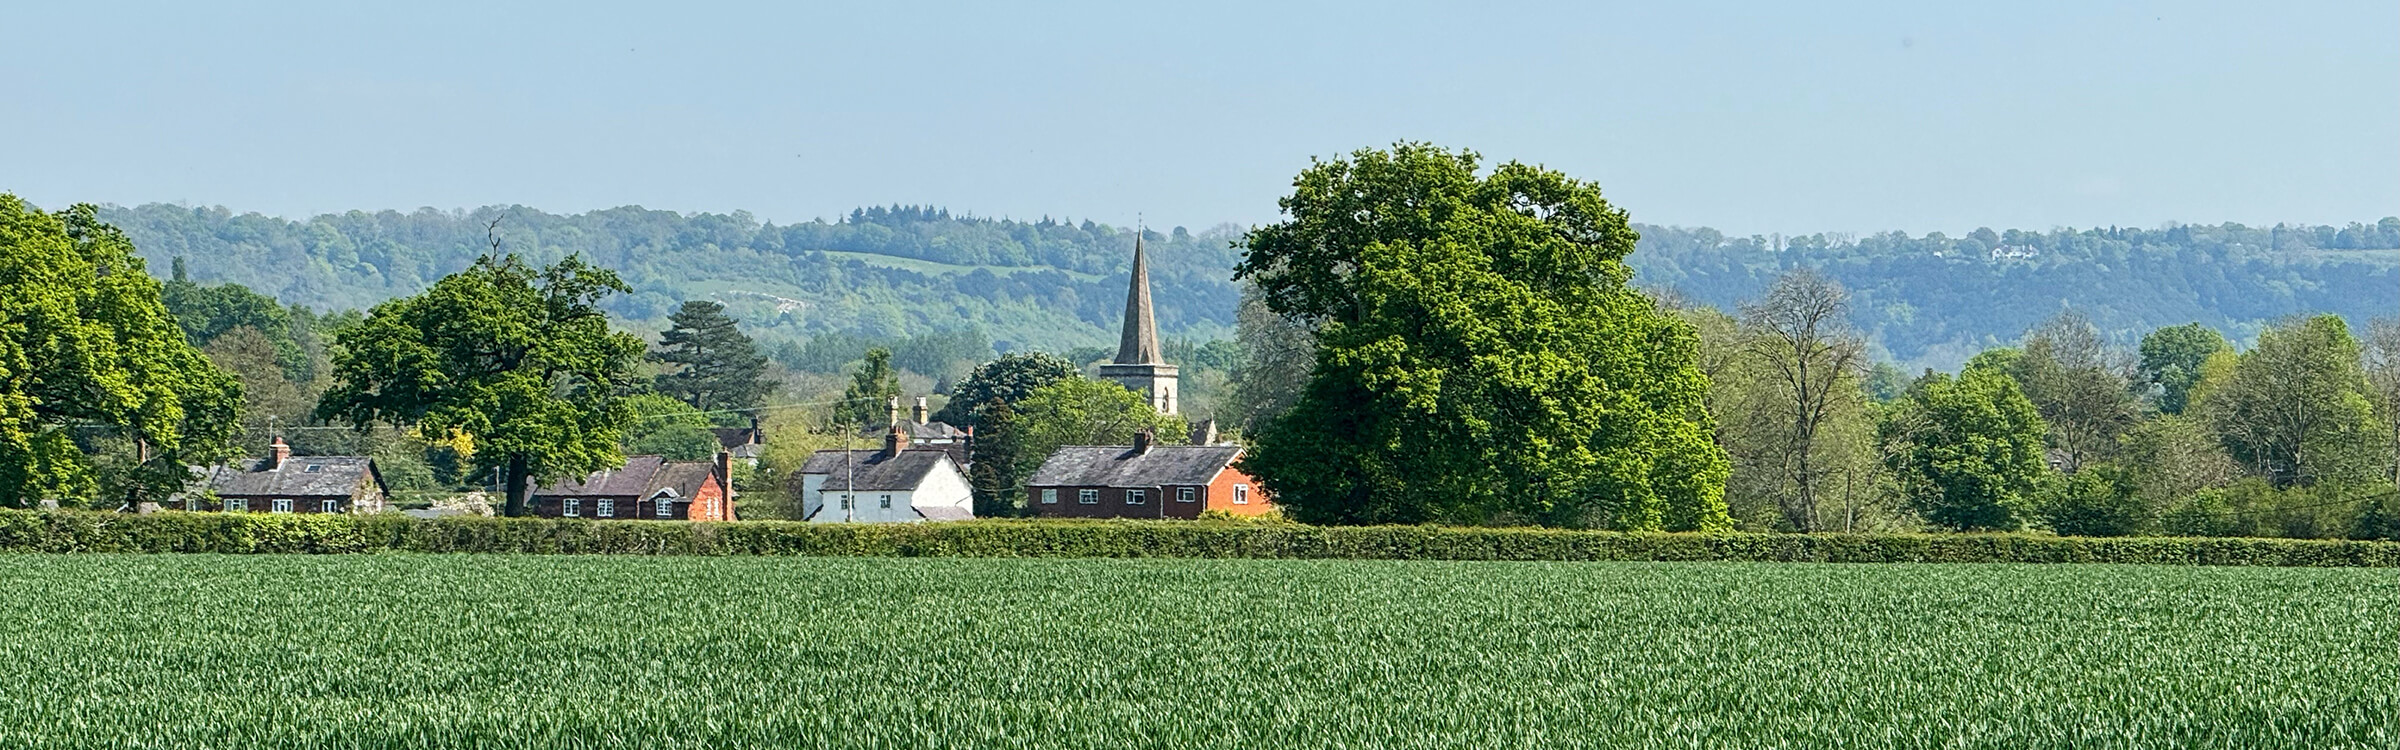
746,444
1143,481
647,488
284,483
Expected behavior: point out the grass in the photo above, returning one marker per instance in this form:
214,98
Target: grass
600,652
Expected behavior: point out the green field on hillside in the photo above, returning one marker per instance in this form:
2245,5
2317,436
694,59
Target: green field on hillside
430,651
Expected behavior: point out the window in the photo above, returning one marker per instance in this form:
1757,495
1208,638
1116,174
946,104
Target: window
236,506
845,501
1136,497
1183,494
282,505
887,502
572,507
1241,494
1049,497
666,507
1087,497
314,469
607,508
329,505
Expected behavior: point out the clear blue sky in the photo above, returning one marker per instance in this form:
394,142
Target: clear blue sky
1815,116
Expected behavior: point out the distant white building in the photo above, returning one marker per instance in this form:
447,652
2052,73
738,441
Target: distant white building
896,484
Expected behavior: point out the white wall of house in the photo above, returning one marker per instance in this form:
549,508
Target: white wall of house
943,486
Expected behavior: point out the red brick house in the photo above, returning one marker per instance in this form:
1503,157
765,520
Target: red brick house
646,488
1143,480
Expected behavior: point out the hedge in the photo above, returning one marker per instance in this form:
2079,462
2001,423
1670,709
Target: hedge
250,533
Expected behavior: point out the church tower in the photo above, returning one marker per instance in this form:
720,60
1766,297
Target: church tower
1139,365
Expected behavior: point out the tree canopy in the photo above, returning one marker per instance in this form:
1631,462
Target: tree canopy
1966,450
712,365
519,359
1480,357
1007,380
85,340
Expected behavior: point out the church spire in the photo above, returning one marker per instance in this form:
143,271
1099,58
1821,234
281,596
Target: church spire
1139,344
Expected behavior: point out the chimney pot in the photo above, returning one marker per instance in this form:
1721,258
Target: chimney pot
282,452
1141,442
893,443
920,412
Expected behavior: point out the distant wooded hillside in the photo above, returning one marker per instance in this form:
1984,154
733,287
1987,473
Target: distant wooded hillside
898,271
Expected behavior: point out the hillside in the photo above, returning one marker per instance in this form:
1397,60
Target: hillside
885,272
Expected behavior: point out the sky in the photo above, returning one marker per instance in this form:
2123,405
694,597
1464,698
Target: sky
1824,116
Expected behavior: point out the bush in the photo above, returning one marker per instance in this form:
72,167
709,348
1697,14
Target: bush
172,531
2100,500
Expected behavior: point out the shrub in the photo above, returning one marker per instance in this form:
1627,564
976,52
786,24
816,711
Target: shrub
172,531
2101,500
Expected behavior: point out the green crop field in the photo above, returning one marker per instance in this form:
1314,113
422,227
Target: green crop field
429,651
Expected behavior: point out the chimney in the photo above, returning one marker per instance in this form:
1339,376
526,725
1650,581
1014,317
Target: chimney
920,413
725,474
893,443
282,452
756,437
1141,442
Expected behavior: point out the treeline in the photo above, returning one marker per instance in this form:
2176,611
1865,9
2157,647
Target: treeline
1935,300
900,271
885,273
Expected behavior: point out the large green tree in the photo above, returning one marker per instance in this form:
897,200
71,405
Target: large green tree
2171,360
1967,451
518,358
1081,411
2296,409
1007,380
2081,392
1480,357
84,340
712,365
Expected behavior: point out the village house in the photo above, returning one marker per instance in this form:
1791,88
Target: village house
284,483
895,484
646,487
1143,480
923,432
745,444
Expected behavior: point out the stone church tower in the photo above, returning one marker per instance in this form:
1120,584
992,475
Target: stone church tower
1139,365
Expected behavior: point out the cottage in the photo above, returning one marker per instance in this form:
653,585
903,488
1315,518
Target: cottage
283,483
897,484
1143,480
646,487
745,444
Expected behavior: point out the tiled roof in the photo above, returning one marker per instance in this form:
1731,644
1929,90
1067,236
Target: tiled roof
630,480
735,437
1119,466
875,469
684,477
944,513
299,476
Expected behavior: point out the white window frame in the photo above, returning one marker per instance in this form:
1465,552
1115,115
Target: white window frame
885,503
1241,494
846,501
666,507
605,508
237,506
571,507
1137,497
1087,497
329,505
1185,495
1050,497
280,505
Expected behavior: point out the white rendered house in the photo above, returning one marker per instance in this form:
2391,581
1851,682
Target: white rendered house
895,484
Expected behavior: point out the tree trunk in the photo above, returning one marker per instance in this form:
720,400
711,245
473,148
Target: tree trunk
519,489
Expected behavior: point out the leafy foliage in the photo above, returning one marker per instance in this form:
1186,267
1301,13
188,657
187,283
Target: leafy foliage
2171,361
1967,451
85,340
1008,380
1480,358
1080,411
873,393
2295,410
520,359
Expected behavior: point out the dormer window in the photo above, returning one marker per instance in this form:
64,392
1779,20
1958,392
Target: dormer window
314,469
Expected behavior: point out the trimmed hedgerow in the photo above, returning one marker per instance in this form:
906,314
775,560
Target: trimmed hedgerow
78,531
